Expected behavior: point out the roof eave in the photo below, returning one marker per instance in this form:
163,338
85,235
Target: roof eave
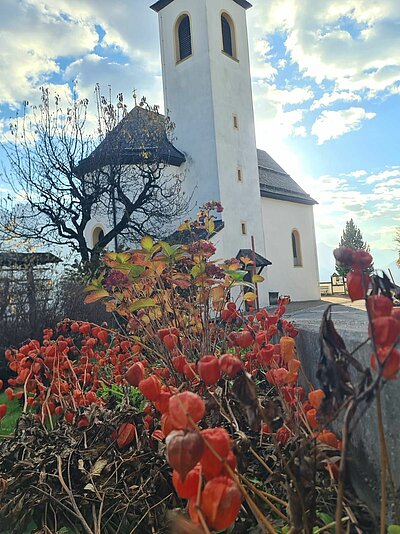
158,6
288,198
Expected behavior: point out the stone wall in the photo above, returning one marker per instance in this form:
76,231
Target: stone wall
364,450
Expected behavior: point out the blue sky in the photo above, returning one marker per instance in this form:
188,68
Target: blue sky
326,86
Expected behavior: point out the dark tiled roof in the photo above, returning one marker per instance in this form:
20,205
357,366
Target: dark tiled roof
276,183
158,6
248,253
185,237
24,259
139,137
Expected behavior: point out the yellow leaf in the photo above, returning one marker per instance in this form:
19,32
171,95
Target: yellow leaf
147,243
246,260
218,298
184,226
257,279
142,303
249,297
210,226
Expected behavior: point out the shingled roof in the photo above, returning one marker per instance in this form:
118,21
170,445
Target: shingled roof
27,259
276,183
139,137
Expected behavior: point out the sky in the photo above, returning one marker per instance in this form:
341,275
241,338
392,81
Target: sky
326,89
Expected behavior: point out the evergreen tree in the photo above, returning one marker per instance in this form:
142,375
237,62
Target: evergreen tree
351,238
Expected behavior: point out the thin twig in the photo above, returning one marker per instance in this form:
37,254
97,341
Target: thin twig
384,463
343,459
68,491
264,498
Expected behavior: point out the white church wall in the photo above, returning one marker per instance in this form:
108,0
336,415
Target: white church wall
280,219
236,147
187,98
203,93
102,219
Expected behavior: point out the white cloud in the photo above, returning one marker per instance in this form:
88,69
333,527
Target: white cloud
274,123
383,175
328,99
355,43
356,174
333,124
40,36
32,41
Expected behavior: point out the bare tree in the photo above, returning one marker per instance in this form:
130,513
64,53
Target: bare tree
65,174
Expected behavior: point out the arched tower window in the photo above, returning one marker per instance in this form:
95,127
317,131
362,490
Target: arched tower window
98,233
296,249
183,38
228,35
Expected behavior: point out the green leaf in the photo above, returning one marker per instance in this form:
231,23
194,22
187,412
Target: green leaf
237,276
325,518
142,303
135,270
92,287
168,250
147,243
394,529
198,269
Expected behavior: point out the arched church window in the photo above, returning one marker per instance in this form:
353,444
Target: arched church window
296,249
98,234
183,38
228,35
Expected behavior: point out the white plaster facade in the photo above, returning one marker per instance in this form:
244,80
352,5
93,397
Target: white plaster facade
280,219
202,94
208,96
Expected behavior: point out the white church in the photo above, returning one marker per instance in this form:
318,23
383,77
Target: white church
208,95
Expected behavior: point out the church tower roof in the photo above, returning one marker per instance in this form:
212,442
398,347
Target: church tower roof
277,183
158,6
140,135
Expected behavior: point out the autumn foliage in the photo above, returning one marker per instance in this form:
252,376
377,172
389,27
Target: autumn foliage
197,380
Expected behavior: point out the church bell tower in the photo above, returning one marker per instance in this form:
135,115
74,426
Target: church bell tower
208,95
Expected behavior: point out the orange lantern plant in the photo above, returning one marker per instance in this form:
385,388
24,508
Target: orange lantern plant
150,388
189,487
230,365
209,369
125,435
186,409
220,502
184,450
316,397
217,448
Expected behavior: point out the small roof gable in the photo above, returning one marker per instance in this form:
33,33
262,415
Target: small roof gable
248,253
185,237
139,137
27,259
276,183
158,6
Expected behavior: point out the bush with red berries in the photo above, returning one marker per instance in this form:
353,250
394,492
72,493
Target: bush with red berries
202,392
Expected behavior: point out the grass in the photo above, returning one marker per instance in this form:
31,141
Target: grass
14,410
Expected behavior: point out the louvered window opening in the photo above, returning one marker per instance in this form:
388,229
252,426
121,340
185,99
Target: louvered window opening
297,261
294,247
184,37
226,36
